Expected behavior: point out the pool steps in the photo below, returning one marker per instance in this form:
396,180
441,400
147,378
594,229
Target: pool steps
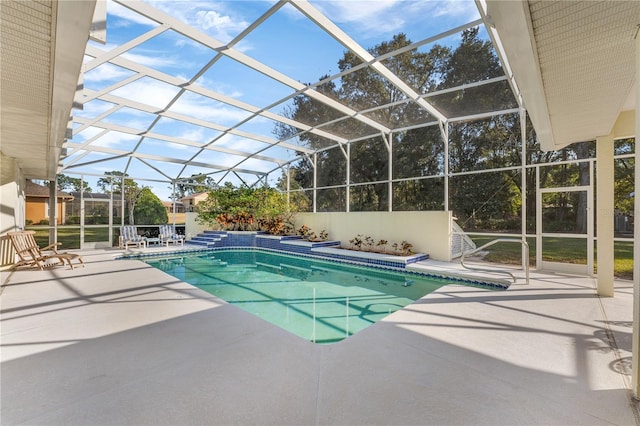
207,239
296,245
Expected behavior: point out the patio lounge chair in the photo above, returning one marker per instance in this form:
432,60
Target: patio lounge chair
168,235
129,236
30,254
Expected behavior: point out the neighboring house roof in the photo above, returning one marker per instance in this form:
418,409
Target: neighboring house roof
95,196
34,190
170,203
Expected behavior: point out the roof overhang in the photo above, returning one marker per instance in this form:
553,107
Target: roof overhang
43,48
574,63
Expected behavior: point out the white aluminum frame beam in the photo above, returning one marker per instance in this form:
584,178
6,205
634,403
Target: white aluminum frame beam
118,153
332,29
122,102
199,90
204,39
172,139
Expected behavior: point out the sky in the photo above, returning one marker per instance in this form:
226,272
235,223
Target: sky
287,42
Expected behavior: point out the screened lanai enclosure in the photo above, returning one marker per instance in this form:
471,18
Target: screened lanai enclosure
515,118
344,116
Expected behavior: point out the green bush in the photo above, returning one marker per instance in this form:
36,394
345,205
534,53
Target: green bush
246,209
73,220
96,220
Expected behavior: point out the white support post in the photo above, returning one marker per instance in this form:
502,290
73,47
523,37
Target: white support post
53,211
348,188
315,182
605,216
635,350
523,185
82,188
390,171
288,187
590,225
444,132
122,209
538,221
110,217
173,203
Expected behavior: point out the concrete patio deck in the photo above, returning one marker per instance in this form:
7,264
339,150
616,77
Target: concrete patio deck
121,343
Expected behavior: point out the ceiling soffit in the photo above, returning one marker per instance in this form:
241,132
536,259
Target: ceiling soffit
574,63
42,44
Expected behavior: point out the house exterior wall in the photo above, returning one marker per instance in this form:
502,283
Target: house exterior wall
193,200
37,209
11,206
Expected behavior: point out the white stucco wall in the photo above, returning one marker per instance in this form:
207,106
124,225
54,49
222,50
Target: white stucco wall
193,227
11,195
428,231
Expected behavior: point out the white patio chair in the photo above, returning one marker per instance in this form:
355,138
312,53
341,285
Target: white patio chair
169,235
129,235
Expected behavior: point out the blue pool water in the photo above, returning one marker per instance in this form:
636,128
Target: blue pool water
321,301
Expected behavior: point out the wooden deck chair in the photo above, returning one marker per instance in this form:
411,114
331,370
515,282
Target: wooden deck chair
129,235
30,254
168,235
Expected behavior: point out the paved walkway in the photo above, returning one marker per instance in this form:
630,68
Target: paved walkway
121,343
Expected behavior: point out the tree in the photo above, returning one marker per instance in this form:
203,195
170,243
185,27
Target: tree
67,183
364,89
487,200
298,200
194,185
117,183
624,178
149,209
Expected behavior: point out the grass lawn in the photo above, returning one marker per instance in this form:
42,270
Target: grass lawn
69,236
556,249
559,250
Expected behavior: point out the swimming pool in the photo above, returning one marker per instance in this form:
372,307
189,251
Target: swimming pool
320,301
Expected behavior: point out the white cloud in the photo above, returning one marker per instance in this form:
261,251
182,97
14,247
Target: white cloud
127,16
461,8
207,109
87,133
106,72
195,135
148,91
213,18
165,148
368,15
219,86
153,59
109,140
378,17
93,109
219,159
239,143
131,121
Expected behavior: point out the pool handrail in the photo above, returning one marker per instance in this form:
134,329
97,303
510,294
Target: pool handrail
525,265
